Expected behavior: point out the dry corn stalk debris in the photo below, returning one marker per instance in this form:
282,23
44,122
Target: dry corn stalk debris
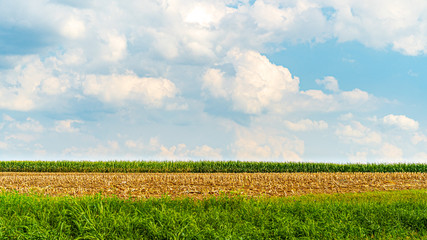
201,185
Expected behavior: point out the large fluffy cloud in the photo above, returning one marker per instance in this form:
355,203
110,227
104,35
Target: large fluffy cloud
31,82
139,56
256,85
401,24
401,121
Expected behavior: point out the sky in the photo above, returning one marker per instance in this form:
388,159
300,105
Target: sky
340,81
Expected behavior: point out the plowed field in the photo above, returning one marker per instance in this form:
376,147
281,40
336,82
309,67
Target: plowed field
200,185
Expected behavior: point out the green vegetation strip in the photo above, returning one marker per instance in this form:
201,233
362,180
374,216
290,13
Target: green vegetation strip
377,215
200,166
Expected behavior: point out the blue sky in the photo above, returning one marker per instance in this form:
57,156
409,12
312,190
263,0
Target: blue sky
301,80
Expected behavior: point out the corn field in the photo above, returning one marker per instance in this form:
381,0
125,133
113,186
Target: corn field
202,185
200,167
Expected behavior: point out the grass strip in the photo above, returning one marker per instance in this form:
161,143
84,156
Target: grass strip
200,167
375,215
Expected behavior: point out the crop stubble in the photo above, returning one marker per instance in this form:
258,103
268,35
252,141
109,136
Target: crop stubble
201,185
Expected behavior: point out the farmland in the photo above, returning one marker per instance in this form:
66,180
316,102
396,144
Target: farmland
211,200
203,185
201,167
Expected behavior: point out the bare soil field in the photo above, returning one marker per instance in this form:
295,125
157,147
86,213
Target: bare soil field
201,185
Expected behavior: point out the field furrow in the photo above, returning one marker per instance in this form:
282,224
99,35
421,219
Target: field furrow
201,185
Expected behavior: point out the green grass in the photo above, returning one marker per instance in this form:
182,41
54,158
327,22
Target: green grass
377,215
200,166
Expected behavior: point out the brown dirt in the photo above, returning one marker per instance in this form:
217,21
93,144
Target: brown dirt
200,185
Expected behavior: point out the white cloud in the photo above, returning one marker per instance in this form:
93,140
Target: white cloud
318,95
213,81
346,117
292,20
390,153
30,83
378,24
114,47
182,152
205,14
134,144
318,101
329,82
73,57
205,152
257,145
355,96
418,137
306,125
401,121
358,157
358,133
66,126
21,137
100,150
175,152
411,45
257,84
86,47
30,125
73,28
117,88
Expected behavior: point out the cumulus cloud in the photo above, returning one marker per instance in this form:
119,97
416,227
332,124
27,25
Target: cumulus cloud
257,84
401,121
306,125
114,46
356,132
213,81
355,96
30,83
73,28
378,24
317,101
112,88
62,50
329,82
